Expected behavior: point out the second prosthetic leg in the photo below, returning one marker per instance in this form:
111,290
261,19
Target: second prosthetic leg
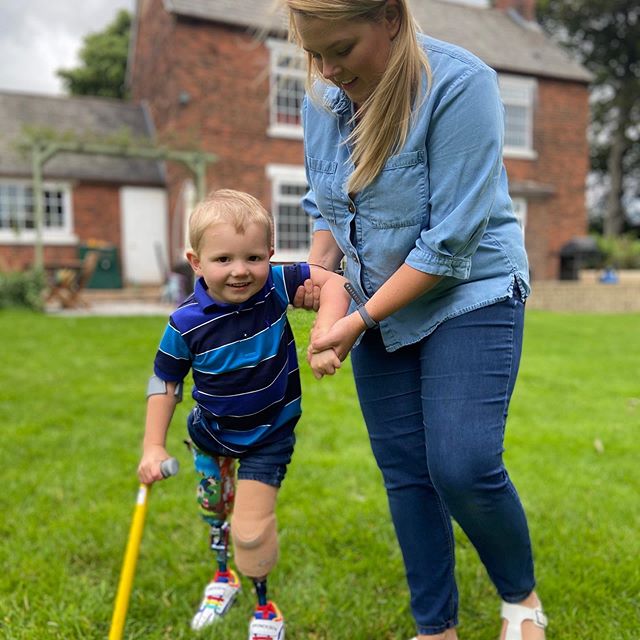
216,493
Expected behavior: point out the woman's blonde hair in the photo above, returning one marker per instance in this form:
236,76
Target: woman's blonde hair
386,114
233,207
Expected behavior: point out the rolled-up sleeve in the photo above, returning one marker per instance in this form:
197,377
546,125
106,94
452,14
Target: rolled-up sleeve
464,163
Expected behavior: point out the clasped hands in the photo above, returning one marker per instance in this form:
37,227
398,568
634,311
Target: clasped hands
328,346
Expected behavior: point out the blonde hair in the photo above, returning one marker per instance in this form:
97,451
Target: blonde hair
386,114
226,205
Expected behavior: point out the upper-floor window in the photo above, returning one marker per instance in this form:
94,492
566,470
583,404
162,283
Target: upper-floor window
518,95
17,212
287,79
292,226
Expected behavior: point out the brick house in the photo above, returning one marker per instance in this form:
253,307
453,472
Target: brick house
113,202
220,73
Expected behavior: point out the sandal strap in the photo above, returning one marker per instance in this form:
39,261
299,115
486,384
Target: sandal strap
516,614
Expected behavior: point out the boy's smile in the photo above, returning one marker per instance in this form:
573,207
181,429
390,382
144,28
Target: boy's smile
234,264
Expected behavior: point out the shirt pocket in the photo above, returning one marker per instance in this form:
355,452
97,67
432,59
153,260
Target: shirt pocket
399,198
322,175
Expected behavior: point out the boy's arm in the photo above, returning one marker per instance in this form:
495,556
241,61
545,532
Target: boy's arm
334,298
160,408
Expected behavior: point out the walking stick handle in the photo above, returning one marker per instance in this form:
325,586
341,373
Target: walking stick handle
169,467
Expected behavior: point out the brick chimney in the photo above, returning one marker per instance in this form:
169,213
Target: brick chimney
526,8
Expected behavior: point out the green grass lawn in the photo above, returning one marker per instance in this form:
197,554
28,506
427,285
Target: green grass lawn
72,406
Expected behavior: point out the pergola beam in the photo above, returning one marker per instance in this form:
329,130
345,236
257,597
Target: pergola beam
43,150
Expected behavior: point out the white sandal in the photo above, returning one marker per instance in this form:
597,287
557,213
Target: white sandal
516,614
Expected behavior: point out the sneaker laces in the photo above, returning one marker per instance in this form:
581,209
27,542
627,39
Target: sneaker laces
266,612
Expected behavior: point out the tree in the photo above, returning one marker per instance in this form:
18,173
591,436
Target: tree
605,36
104,62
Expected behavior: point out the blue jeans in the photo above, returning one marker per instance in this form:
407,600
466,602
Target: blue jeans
436,414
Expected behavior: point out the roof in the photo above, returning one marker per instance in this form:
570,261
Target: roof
83,116
503,40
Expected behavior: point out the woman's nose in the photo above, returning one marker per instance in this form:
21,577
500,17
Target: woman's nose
329,70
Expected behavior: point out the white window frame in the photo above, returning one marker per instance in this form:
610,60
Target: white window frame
62,235
278,72
280,174
521,92
520,211
485,4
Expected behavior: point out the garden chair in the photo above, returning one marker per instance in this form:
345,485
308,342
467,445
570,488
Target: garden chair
69,283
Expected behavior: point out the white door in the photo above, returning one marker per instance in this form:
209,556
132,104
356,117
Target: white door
145,254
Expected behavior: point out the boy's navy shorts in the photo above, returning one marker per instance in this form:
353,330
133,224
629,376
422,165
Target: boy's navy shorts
264,462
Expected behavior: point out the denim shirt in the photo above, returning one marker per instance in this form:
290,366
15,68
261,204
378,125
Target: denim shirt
441,204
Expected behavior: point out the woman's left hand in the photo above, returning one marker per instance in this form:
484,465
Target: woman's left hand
340,337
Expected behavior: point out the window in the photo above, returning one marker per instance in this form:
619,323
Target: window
287,79
518,96
292,226
520,211
17,212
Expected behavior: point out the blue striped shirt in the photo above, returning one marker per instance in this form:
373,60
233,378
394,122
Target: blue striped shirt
243,358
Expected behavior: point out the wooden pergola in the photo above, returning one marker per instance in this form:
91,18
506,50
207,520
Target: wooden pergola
43,149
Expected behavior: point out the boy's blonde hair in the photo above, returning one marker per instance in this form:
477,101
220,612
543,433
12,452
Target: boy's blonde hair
230,206
386,114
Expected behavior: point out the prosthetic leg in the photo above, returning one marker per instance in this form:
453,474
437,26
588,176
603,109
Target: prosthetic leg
255,540
216,493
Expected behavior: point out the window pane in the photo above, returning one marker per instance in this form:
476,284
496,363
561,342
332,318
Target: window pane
17,207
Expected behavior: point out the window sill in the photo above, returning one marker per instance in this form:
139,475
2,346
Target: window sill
290,132
520,154
29,238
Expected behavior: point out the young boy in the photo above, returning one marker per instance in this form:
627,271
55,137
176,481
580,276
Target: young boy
234,335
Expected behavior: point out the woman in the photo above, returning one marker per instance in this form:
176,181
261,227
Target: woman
403,152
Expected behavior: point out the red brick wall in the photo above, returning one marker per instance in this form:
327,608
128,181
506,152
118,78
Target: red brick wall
225,73
560,124
96,218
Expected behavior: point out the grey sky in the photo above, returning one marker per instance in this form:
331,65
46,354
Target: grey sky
39,36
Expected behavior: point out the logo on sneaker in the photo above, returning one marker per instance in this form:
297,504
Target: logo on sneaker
267,623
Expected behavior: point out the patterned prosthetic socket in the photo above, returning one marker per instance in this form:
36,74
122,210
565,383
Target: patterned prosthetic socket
215,497
254,528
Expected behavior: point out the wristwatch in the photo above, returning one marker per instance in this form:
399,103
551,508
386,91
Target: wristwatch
364,314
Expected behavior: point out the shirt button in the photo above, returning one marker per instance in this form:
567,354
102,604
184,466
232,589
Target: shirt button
352,208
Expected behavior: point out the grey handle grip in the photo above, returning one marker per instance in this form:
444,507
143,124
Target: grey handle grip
169,467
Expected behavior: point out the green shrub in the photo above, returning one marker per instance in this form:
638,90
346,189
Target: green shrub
22,289
621,252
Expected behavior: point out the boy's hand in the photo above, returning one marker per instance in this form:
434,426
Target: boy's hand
324,363
149,467
307,296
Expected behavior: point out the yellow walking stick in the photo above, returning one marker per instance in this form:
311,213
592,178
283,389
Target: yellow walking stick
169,467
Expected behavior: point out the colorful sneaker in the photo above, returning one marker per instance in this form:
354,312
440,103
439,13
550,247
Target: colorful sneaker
267,623
219,595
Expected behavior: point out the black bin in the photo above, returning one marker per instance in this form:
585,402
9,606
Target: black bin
575,254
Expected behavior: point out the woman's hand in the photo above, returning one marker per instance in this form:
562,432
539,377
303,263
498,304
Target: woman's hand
307,296
340,337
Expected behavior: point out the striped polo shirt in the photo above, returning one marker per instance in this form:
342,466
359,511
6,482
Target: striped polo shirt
242,356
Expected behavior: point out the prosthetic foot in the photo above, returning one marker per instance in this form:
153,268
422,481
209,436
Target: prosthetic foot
219,595
267,623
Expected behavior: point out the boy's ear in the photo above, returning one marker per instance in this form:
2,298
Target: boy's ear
271,252
194,261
